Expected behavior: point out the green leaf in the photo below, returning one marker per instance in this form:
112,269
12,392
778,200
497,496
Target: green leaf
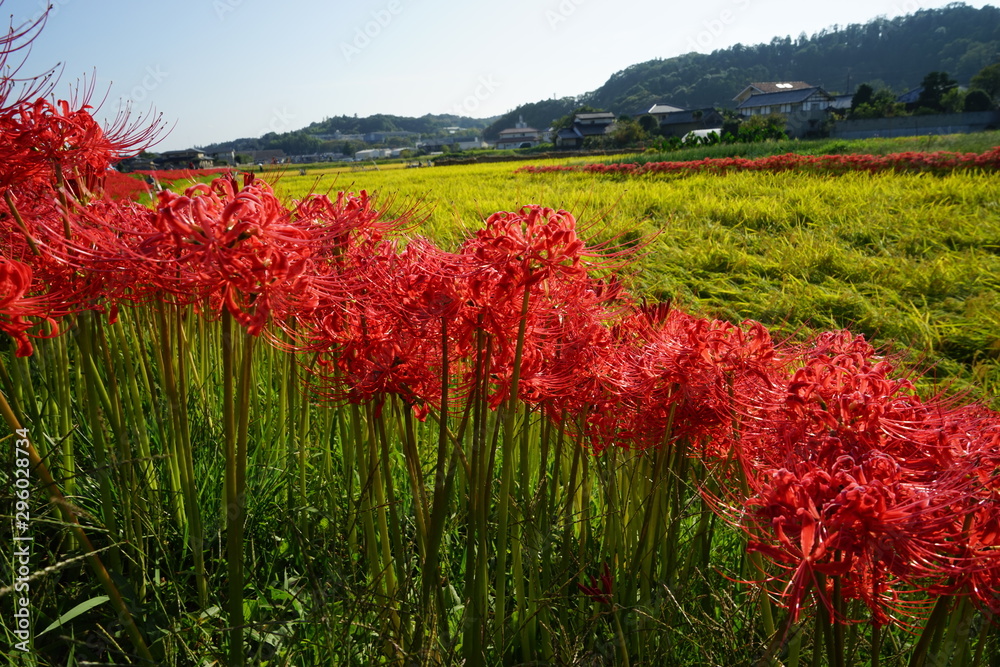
81,608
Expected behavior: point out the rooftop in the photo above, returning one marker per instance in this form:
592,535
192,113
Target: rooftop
783,97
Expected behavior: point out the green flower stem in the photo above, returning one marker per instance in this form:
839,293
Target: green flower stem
443,475
480,464
506,475
20,223
93,559
233,513
175,387
103,471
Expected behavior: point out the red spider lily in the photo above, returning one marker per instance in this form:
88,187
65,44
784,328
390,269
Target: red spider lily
673,376
599,591
852,476
231,247
385,337
16,40
530,269
344,236
51,144
18,312
97,267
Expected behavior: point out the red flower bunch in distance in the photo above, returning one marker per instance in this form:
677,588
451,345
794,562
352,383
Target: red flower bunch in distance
941,162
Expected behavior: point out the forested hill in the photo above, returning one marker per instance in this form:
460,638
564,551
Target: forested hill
894,53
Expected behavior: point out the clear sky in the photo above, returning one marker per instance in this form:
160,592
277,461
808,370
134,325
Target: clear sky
225,69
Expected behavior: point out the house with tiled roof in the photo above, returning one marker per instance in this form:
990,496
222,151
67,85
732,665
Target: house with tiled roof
191,158
764,87
805,109
585,125
658,110
786,102
519,136
680,123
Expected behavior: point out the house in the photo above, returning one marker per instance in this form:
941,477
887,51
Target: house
786,102
373,154
468,144
191,158
601,119
585,125
842,102
805,110
268,156
519,136
658,111
680,123
225,157
764,87
135,164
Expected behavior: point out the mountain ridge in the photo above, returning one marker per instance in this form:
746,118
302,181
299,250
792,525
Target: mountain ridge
885,53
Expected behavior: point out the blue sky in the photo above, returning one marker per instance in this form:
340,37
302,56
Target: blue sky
224,69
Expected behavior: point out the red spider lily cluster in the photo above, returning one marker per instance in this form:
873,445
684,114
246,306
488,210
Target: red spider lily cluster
941,162
846,477
853,479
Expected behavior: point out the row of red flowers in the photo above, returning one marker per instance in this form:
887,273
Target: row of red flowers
909,162
118,185
835,467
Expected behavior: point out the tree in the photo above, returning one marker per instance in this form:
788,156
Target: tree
762,128
988,80
933,89
977,100
863,95
649,123
953,101
627,132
